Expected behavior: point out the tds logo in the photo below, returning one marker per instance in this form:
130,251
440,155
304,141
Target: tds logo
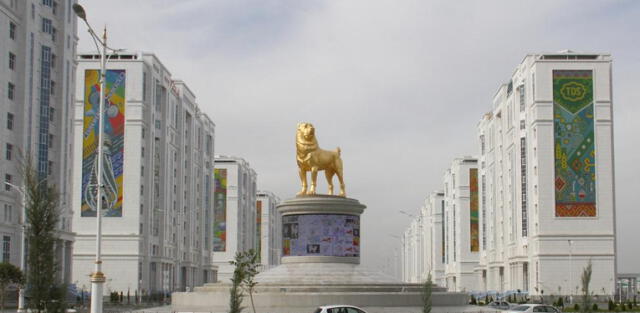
573,91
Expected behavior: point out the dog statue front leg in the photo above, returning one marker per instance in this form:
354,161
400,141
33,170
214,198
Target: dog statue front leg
314,180
303,181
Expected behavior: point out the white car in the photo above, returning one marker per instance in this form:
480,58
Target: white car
502,305
530,308
339,309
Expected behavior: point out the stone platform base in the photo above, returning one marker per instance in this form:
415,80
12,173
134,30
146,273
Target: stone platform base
305,286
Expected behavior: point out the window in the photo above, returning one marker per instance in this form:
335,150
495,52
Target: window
483,186
12,61
11,91
7,179
33,11
12,30
46,26
8,213
9,121
52,87
47,2
9,151
54,31
51,137
523,185
52,112
6,249
53,60
144,86
522,99
55,8
533,86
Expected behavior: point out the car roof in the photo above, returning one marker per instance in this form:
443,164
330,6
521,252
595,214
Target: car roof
332,306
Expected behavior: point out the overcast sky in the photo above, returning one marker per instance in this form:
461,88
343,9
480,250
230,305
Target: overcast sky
399,86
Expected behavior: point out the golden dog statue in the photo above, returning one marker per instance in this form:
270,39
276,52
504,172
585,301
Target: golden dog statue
311,158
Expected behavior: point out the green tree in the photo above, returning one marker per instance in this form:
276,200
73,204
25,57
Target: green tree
9,274
43,289
426,295
252,259
246,268
236,294
586,306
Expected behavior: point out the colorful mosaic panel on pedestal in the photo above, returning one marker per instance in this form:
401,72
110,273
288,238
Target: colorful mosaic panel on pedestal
474,230
321,235
220,210
575,178
112,143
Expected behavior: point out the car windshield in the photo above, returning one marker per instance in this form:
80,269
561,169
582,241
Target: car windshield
318,310
521,308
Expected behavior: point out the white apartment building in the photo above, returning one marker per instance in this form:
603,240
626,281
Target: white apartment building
433,237
268,229
423,243
412,256
461,225
546,178
159,167
37,48
234,219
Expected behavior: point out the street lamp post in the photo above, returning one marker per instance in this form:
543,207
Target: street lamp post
97,277
570,270
23,240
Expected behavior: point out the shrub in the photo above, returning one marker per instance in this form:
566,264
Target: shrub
576,307
595,307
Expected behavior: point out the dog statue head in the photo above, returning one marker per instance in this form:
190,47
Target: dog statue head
306,132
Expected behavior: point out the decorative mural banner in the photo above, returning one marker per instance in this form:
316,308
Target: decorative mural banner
113,142
575,178
321,235
220,210
259,228
474,227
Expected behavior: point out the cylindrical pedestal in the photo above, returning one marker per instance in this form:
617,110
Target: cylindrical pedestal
321,229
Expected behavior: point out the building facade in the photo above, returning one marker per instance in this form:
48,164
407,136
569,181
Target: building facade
158,176
268,229
461,225
37,47
546,178
423,243
412,255
235,212
433,238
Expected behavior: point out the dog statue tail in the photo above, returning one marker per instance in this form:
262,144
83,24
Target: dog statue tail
338,150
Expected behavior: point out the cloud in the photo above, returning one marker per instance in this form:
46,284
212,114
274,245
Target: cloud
399,86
